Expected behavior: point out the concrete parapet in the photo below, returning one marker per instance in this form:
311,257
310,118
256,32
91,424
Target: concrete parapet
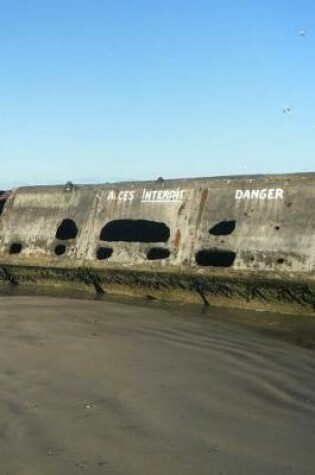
169,238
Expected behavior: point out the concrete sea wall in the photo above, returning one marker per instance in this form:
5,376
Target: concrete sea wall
232,240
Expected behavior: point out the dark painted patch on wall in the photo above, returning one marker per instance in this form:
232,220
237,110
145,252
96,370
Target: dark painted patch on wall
156,253
104,253
2,203
215,258
135,230
67,230
15,248
223,228
60,249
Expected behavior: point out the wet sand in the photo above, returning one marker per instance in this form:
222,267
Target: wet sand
101,387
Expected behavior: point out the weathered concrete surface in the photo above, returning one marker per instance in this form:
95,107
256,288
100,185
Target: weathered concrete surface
243,239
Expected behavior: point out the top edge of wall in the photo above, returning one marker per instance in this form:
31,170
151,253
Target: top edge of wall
161,181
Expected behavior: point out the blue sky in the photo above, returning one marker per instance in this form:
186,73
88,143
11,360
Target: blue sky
104,90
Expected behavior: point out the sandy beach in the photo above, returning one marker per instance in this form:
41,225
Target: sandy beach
102,387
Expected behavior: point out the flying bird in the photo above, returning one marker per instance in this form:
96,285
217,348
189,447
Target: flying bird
287,110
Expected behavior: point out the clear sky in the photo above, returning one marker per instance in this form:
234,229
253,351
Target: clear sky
102,90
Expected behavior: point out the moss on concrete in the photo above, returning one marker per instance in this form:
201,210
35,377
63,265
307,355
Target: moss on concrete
251,292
